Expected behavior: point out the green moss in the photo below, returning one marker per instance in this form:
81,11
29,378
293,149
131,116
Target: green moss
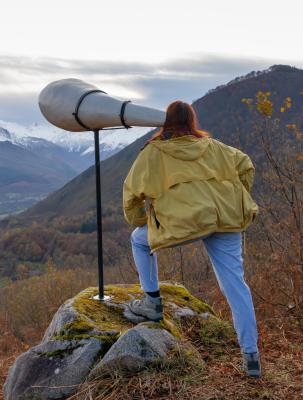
56,353
215,331
182,297
98,315
63,336
215,335
60,352
122,294
103,338
171,326
78,326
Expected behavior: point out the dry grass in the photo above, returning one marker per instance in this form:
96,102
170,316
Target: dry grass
182,370
281,349
209,370
10,348
29,305
220,378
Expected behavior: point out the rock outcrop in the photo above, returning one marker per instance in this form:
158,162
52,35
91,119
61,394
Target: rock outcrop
87,335
52,370
136,348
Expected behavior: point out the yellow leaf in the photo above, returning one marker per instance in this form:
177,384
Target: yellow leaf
300,156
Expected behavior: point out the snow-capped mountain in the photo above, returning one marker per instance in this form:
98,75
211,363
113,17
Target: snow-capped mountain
80,142
36,160
4,135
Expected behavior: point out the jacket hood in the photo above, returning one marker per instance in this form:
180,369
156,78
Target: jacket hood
186,147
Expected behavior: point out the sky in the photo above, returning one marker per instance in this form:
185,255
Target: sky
149,52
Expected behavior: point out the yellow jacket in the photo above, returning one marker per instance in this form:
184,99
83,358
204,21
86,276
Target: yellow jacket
187,187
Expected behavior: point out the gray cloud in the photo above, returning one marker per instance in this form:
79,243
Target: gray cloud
161,83
21,108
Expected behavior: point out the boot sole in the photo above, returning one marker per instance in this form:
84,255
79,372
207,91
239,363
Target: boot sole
254,375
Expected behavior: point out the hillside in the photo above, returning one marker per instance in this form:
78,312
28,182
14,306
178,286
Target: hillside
29,174
37,160
220,111
78,196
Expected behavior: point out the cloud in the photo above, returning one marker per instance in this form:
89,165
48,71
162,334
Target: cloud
153,84
21,108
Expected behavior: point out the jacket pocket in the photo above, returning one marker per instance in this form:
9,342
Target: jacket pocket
247,206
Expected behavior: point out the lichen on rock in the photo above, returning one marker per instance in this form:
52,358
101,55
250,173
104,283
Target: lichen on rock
101,327
180,296
98,318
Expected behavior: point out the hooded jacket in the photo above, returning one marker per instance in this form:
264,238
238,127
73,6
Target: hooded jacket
188,187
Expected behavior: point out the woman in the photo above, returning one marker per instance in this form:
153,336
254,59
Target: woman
185,186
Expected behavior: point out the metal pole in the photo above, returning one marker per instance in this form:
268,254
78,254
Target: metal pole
99,296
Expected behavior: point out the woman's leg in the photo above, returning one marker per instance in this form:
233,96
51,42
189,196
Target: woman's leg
225,252
150,306
146,264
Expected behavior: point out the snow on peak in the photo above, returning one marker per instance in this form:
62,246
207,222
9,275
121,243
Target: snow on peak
4,135
82,142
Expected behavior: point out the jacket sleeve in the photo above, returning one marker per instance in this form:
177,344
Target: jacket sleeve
134,192
133,207
246,169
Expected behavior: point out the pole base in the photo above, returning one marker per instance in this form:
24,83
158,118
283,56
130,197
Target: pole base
105,298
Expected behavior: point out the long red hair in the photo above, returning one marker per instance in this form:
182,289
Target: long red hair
181,118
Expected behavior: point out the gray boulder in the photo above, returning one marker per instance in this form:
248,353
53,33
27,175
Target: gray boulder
137,348
63,316
87,335
51,370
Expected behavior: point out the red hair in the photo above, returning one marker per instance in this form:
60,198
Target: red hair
181,117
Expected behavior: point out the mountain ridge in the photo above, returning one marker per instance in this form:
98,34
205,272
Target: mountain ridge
79,142
254,74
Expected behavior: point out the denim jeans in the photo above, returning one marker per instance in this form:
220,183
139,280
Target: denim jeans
225,252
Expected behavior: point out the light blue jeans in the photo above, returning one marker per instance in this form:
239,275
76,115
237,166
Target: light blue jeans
225,252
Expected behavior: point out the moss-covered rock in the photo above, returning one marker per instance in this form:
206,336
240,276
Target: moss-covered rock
180,296
109,319
102,325
135,349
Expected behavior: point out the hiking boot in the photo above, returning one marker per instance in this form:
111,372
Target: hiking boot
148,307
252,364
